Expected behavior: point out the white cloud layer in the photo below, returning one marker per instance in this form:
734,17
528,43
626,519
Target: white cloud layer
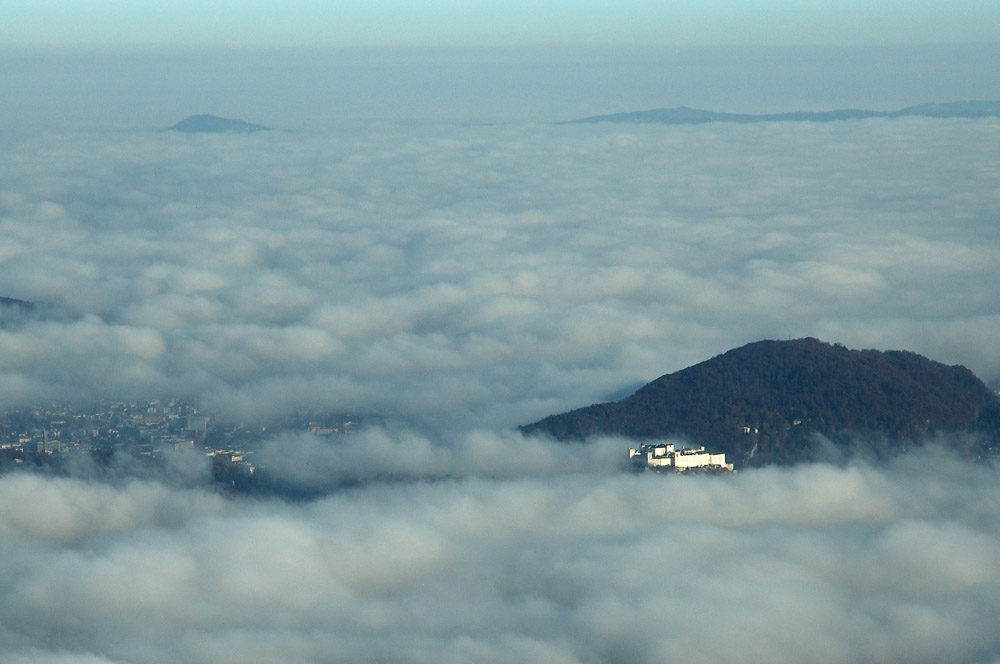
492,273
817,563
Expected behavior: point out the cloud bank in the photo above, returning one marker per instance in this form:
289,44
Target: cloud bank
822,563
493,274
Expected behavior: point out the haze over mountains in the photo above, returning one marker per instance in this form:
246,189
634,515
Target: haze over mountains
768,401
207,123
683,115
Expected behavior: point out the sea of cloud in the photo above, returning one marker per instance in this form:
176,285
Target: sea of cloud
489,274
845,563
460,280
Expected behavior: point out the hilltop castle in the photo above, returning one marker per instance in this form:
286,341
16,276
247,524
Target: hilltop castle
658,456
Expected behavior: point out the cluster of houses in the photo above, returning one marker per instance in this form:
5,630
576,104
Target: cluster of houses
666,456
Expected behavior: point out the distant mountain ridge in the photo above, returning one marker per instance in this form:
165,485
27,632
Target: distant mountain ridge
766,402
683,115
213,124
14,302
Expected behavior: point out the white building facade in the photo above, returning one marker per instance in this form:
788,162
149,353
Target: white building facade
668,456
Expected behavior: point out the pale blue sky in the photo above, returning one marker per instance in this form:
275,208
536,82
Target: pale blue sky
484,22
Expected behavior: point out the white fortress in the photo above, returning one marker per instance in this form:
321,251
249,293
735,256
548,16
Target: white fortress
659,456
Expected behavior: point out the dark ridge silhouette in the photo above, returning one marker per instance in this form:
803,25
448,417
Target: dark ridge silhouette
683,115
791,401
211,124
10,302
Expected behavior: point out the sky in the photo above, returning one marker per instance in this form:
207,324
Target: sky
490,22
419,237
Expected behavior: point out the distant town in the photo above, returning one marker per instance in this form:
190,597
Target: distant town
52,437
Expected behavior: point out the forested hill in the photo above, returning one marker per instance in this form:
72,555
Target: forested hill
764,403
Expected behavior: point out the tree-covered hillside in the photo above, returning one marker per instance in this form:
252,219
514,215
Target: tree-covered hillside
766,401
